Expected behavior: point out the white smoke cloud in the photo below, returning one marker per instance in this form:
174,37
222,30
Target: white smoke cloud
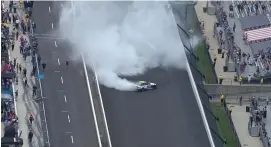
122,38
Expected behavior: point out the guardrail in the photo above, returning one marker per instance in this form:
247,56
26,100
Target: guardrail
194,88
217,90
41,92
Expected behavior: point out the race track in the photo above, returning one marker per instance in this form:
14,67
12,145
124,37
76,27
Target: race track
168,116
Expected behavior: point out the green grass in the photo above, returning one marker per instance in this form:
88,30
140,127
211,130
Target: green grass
204,65
224,125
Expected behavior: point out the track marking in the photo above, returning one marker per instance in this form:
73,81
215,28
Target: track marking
69,118
65,98
58,61
196,93
49,9
64,111
89,90
72,139
61,79
60,90
68,132
55,44
52,25
57,71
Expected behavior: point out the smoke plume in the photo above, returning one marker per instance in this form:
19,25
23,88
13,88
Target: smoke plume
122,38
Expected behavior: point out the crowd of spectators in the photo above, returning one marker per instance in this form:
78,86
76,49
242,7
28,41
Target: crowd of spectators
264,61
251,8
8,113
261,60
225,35
258,118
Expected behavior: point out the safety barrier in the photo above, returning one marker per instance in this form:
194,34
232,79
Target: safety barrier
216,90
195,90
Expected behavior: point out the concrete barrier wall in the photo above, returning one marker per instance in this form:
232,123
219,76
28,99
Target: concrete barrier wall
215,89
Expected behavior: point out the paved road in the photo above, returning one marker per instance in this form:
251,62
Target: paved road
168,116
67,103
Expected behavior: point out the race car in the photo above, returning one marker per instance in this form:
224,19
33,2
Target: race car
145,86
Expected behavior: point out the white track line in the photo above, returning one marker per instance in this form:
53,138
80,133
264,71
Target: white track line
49,9
55,44
72,139
65,98
89,89
52,25
58,61
196,93
61,79
69,118
101,103
91,102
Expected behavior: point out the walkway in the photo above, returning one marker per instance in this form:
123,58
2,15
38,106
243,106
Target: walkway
240,119
26,104
209,21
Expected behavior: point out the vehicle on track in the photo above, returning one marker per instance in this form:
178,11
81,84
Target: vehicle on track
145,86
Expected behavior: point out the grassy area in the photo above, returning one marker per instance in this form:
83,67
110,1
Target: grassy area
204,65
224,125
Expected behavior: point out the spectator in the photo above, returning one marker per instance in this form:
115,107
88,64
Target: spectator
25,82
220,77
43,65
30,136
230,110
31,119
240,80
222,99
34,90
249,78
24,72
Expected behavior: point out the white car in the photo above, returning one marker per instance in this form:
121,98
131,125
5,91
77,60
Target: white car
145,86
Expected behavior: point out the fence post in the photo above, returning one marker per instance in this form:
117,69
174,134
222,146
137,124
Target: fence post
202,75
210,97
224,140
216,118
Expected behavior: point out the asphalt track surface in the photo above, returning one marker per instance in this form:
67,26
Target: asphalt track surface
168,116
70,120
